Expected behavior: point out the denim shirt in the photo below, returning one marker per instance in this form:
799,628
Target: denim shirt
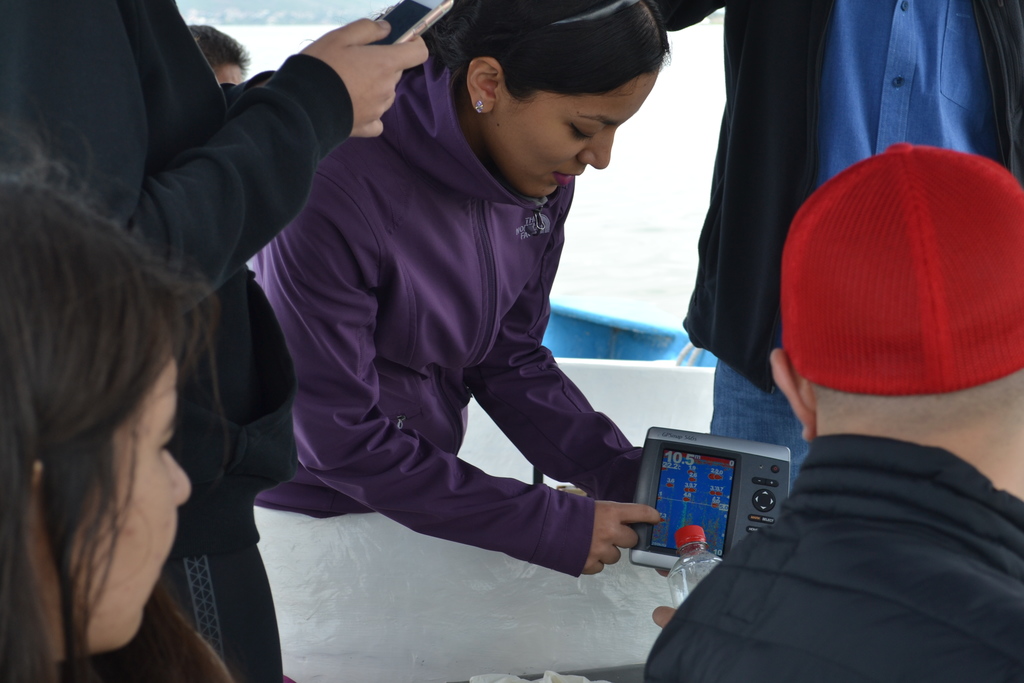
902,71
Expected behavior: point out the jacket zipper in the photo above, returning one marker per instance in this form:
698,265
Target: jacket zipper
450,411
538,221
490,287
984,11
812,177
812,128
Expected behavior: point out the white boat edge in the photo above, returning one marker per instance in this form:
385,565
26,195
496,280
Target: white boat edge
362,598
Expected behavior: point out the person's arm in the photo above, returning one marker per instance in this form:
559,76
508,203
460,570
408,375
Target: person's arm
547,417
682,13
121,94
323,288
218,203
253,174
541,411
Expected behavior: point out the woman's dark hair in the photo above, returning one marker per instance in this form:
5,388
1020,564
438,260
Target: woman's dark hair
88,320
587,57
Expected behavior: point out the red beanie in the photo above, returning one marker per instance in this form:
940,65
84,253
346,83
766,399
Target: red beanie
903,275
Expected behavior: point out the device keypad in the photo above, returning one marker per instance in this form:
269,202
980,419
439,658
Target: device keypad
763,500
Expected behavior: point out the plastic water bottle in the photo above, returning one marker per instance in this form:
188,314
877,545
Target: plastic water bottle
694,563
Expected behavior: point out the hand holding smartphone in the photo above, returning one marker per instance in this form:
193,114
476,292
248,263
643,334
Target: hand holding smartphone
410,18
369,73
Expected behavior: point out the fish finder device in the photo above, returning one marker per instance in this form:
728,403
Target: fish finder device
729,487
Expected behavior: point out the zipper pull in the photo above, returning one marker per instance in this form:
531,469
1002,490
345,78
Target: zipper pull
534,229
401,421
538,222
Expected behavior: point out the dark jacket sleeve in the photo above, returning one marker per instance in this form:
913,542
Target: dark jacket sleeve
541,411
682,13
118,91
324,294
253,175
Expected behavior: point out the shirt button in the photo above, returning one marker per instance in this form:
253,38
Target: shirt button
897,82
904,5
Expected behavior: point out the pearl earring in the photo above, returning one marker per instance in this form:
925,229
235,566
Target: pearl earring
479,106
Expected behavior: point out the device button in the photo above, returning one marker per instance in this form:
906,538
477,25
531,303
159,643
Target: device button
752,529
764,500
761,481
761,518
775,469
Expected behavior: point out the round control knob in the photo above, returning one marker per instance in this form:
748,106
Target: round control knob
764,500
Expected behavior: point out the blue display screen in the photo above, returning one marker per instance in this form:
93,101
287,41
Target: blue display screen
693,489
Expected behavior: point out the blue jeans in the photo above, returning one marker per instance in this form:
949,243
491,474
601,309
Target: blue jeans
743,411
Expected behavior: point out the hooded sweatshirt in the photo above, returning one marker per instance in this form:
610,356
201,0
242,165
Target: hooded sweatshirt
413,279
118,92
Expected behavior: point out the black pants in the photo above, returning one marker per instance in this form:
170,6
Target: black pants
228,598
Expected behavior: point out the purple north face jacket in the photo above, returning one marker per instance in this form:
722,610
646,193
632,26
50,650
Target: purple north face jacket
411,280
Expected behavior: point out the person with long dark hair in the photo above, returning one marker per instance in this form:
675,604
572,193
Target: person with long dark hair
418,275
91,338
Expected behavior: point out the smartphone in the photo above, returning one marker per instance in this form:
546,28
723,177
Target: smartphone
410,18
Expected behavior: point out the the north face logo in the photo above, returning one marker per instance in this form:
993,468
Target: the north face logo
531,227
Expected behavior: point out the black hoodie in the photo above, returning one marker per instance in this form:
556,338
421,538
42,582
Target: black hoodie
119,91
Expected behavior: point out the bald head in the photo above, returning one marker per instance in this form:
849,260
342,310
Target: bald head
983,425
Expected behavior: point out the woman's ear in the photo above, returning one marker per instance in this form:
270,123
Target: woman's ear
798,391
485,83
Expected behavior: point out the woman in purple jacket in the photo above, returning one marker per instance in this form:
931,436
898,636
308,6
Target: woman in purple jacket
418,275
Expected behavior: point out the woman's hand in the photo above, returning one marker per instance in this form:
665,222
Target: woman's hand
612,531
370,72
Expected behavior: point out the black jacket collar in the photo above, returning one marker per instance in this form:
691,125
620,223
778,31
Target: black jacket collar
929,489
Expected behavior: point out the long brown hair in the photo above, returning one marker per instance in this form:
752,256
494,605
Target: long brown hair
88,320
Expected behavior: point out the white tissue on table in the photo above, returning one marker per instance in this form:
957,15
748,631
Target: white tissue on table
549,677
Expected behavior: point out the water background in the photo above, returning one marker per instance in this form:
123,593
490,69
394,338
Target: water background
634,226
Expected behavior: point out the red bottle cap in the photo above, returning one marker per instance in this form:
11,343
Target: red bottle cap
689,534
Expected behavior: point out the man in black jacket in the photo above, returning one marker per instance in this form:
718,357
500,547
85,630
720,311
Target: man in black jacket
900,554
119,92
813,86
